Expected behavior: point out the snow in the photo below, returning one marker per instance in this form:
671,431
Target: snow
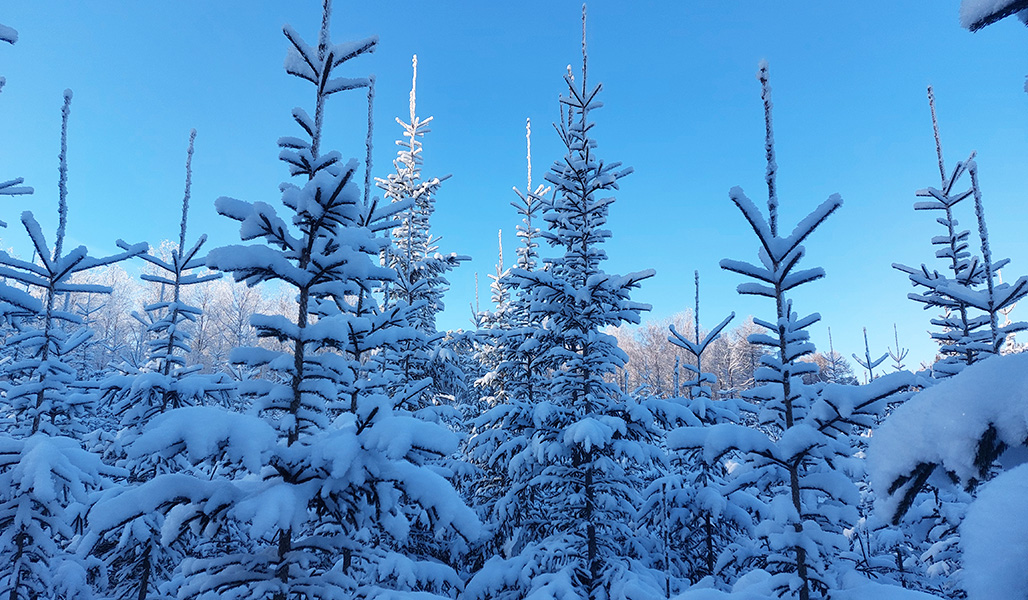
206,432
944,423
8,34
994,538
878,591
974,11
13,188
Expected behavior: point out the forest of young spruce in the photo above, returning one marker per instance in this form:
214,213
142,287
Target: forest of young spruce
282,418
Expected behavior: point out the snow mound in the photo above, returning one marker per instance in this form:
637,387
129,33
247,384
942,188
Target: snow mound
997,519
944,424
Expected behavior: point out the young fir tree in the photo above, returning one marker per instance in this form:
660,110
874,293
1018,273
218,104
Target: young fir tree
971,302
328,467
957,429
687,505
414,255
965,338
511,387
796,457
587,440
712,524
137,560
426,378
46,476
426,373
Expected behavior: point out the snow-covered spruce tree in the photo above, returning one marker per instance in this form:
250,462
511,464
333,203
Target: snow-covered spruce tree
587,441
46,476
706,524
420,268
490,325
700,384
797,456
511,387
964,338
684,506
328,464
424,368
137,560
971,302
899,353
166,382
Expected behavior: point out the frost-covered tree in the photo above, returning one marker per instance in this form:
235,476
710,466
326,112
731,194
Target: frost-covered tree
686,505
712,524
965,430
587,439
699,385
511,387
166,381
898,354
327,475
46,476
797,455
868,363
422,371
138,561
425,370
970,284
414,255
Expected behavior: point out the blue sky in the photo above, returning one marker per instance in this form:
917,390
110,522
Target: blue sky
682,107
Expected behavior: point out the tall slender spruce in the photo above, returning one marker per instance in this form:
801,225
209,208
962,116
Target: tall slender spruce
587,438
964,338
138,562
783,391
805,434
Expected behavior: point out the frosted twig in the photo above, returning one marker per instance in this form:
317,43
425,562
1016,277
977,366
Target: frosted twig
938,140
368,140
323,33
585,57
528,143
185,197
769,148
62,182
413,92
319,108
983,233
499,240
696,313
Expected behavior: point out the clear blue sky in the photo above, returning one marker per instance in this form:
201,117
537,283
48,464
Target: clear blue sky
682,107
